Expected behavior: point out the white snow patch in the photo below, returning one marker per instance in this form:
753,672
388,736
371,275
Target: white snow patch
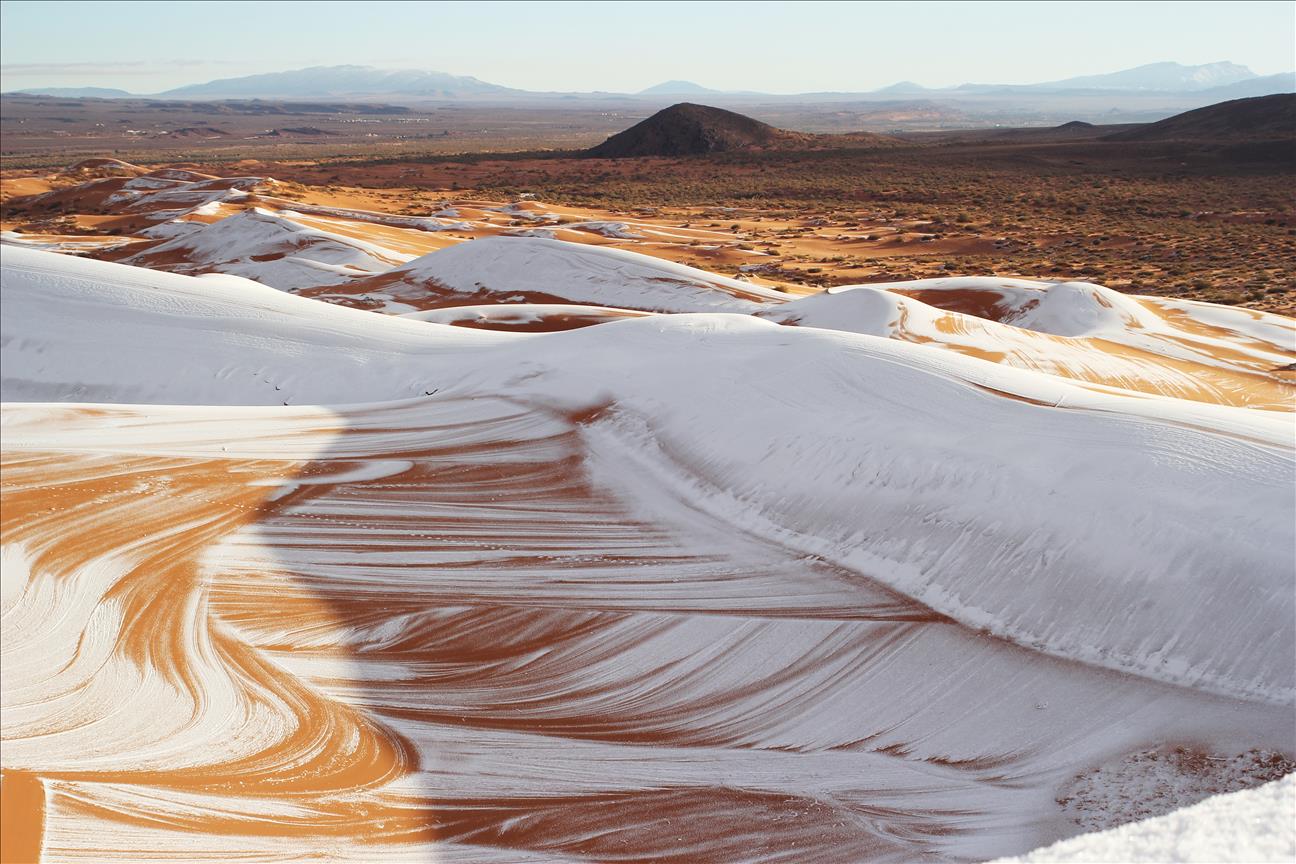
1254,825
583,274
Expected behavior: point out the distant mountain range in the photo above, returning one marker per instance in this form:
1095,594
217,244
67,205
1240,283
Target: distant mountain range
80,92
330,82
1218,81
1153,77
1225,80
1158,76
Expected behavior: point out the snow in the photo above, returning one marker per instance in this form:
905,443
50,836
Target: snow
1121,511
1083,309
748,524
1058,308
1161,526
1136,343
1260,326
1156,781
152,183
866,310
1253,825
69,243
179,174
292,256
159,194
582,274
92,331
171,229
348,215
607,229
518,313
526,210
546,233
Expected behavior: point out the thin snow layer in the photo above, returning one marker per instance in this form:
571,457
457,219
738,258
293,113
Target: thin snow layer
271,248
537,315
1082,309
76,330
1112,533
581,273
1254,825
649,590
421,223
621,230
433,607
1169,349
1059,308
69,243
1146,535
157,195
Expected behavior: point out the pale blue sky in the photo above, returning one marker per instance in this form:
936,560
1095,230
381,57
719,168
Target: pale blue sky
623,46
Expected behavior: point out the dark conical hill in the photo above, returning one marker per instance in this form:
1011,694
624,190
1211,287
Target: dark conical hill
687,129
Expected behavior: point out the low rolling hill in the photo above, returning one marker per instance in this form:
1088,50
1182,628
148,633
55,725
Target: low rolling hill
1259,118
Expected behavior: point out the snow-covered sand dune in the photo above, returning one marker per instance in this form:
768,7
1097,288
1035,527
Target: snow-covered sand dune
270,246
1076,330
285,236
287,580
541,270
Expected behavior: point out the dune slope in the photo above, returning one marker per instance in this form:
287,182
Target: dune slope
284,579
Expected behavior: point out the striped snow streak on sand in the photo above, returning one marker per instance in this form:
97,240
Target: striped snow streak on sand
673,588
1095,335
439,630
115,670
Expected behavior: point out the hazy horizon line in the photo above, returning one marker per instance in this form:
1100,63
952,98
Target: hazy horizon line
137,67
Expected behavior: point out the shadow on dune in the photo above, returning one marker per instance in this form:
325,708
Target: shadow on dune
446,637
503,657
536,670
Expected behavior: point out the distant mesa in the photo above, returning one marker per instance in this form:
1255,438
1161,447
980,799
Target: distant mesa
342,82
676,88
687,129
1261,118
77,92
902,88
